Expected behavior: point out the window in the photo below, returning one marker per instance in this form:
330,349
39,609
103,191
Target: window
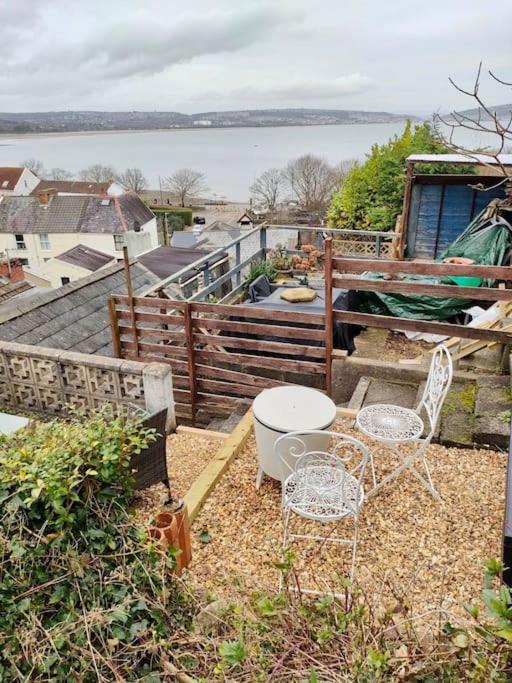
44,241
24,261
20,242
46,259
65,280
118,242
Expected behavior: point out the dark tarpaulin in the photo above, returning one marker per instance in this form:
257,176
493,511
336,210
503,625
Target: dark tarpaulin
487,240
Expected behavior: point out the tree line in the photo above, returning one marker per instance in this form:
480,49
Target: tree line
184,184
310,181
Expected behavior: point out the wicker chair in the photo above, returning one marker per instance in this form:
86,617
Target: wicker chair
150,465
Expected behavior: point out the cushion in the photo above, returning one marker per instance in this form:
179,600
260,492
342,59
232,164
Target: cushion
296,295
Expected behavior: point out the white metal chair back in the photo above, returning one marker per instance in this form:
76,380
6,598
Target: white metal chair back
326,462
437,386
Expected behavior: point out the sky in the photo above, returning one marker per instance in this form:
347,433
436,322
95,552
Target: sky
169,55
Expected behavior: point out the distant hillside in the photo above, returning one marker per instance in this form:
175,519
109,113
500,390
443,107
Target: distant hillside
503,111
64,121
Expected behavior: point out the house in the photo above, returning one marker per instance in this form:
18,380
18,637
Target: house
246,220
73,264
38,228
84,187
17,181
73,317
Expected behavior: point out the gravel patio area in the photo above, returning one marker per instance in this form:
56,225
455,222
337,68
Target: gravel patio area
409,545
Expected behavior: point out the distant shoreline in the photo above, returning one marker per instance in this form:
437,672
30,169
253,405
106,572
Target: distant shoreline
192,128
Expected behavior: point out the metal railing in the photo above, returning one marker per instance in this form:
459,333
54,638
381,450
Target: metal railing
265,234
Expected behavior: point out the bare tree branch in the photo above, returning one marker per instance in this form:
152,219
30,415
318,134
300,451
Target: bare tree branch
185,183
484,121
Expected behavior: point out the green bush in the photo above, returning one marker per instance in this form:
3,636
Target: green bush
371,195
258,268
82,591
184,213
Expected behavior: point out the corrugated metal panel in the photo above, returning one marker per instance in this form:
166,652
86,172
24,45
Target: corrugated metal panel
455,215
429,205
441,212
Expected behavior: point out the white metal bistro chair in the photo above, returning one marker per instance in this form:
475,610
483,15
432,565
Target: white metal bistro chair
322,481
394,425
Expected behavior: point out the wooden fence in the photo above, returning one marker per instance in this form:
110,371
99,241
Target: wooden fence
221,355
342,272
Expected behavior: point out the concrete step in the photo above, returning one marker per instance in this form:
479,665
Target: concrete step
493,411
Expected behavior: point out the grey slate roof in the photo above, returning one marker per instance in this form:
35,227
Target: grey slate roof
85,257
73,317
73,213
73,186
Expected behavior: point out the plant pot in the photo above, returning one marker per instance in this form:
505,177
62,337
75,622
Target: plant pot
158,537
283,272
167,524
183,524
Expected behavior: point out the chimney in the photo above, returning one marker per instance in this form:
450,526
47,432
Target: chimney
12,269
44,197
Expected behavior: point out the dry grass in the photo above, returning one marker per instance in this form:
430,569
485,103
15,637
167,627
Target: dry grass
409,545
187,456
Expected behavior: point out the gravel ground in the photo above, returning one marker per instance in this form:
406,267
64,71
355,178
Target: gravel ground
187,456
409,545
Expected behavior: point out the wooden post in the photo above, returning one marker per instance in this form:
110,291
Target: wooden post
406,207
114,328
263,242
129,289
238,260
187,321
328,314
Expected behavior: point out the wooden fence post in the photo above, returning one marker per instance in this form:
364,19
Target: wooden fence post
129,289
328,314
114,328
187,321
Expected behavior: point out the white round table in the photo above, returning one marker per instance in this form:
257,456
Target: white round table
287,409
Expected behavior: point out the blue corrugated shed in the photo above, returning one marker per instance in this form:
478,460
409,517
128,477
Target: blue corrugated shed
441,209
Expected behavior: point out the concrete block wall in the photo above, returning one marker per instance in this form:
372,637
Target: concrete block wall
34,378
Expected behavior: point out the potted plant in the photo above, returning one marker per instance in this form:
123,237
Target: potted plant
281,262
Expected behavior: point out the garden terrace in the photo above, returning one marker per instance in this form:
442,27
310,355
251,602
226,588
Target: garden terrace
409,549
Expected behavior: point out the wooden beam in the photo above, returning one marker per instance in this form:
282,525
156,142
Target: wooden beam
406,207
345,264
328,315
411,287
391,323
203,433
114,328
218,465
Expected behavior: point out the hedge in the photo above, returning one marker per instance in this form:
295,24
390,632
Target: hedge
184,213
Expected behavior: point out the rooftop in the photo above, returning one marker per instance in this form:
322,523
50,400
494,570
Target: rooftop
9,176
166,261
74,186
78,213
505,159
73,317
85,257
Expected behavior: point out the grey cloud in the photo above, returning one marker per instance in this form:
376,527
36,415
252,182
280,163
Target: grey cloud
142,47
305,90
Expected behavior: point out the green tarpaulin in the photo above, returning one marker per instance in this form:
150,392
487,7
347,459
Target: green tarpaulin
486,240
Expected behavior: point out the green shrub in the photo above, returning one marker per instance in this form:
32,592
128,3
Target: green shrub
371,195
175,223
184,213
258,268
83,593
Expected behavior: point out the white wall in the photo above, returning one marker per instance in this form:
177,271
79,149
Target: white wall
60,242
26,183
54,270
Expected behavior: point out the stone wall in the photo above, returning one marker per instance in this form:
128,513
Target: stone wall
33,378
